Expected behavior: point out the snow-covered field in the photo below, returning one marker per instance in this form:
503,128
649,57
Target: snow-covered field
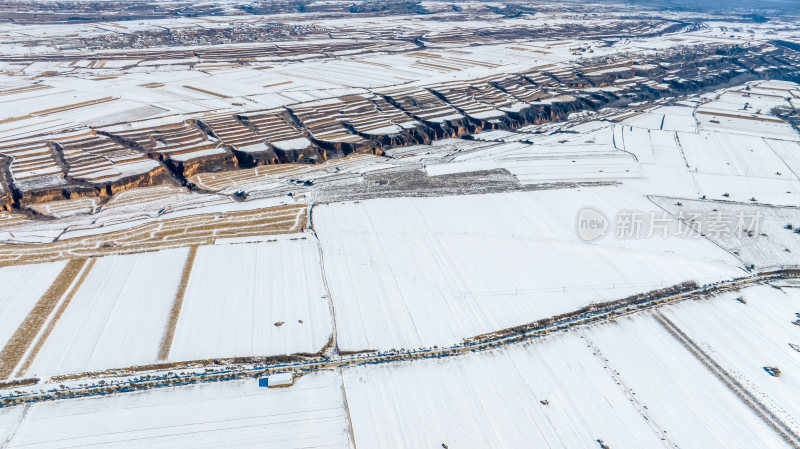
773,242
682,397
740,154
745,338
552,393
545,163
628,383
414,272
740,167
117,317
20,289
238,293
234,414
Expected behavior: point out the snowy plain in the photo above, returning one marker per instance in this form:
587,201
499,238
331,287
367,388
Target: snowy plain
117,317
253,299
20,288
235,414
695,409
551,393
419,272
744,337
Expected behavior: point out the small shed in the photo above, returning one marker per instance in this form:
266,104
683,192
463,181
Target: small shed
276,380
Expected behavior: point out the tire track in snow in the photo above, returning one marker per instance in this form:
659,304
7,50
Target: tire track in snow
19,423
331,351
686,161
657,428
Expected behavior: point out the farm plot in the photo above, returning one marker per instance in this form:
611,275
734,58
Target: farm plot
277,131
151,202
687,401
322,120
552,393
744,124
116,318
278,180
780,192
746,331
407,273
736,155
650,146
727,166
544,163
8,219
476,99
740,113
267,179
360,113
253,300
231,131
98,159
79,217
27,231
67,208
350,118
177,232
178,141
660,159
764,236
789,152
421,104
522,89
309,414
33,166
20,289
666,118
25,335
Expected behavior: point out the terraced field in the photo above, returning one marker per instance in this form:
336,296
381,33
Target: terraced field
199,229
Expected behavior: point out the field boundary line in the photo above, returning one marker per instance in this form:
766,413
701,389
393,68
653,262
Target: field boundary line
175,312
350,431
628,392
59,310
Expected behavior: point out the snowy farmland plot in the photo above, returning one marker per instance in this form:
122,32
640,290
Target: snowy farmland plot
255,299
745,332
310,414
766,238
684,399
716,165
545,163
20,289
552,393
117,316
666,118
739,167
407,273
